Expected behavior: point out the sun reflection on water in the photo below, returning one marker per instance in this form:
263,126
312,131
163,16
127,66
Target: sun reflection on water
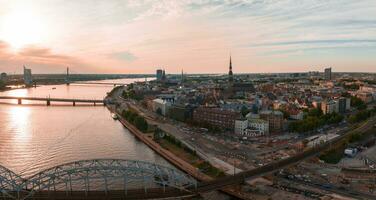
20,120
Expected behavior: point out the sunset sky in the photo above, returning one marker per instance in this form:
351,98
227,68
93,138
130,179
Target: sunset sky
139,36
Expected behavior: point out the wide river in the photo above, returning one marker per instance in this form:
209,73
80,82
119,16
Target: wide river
34,136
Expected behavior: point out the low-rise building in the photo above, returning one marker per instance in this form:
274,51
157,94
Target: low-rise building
180,112
365,96
317,104
160,106
275,119
259,124
250,132
329,106
295,114
369,88
240,126
216,117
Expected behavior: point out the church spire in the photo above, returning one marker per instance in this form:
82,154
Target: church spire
230,78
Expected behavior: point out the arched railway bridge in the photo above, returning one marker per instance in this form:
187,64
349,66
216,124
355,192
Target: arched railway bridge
120,179
98,179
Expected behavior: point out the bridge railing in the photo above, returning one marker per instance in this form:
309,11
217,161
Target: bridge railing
96,175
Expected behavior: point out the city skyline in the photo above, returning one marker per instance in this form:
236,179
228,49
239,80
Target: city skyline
197,36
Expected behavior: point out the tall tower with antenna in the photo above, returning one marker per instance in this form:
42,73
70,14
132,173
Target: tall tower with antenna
67,77
182,76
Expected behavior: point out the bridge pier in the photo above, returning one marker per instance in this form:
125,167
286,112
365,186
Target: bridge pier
95,104
19,101
74,103
48,102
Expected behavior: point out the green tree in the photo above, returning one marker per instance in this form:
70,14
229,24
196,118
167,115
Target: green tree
141,123
159,111
244,110
360,116
315,112
2,84
286,115
358,103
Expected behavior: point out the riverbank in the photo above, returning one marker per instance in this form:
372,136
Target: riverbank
168,155
10,88
173,159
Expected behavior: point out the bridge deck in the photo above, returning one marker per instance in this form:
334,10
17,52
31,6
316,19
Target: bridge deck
96,83
53,99
151,193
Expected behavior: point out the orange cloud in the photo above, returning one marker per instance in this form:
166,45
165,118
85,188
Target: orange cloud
40,60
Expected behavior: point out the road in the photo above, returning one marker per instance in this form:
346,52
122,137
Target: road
202,150
272,167
241,177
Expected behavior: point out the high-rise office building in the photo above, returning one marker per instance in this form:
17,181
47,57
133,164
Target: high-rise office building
164,78
159,74
3,77
342,107
28,78
182,77
328,74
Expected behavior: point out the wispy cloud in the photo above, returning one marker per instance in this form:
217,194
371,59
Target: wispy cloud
199,34
124,56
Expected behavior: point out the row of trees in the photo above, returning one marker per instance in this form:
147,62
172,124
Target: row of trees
171,139
362,115
2,85
135,119
203,166
130,93
358,103
314,119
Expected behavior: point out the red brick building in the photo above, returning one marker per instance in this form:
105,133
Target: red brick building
224,119
275,119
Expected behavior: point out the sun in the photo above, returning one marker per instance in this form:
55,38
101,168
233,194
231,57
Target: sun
21,27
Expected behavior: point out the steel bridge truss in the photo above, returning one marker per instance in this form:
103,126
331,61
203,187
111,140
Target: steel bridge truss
95,175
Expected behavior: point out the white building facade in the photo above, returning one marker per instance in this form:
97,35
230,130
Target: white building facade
160,104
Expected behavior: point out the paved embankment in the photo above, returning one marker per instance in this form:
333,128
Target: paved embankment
173,159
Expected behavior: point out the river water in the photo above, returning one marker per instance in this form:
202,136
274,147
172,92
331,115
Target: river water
34,137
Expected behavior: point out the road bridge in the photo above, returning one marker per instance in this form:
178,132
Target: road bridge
48,100
98,83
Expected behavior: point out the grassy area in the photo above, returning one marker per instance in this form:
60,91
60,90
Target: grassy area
190,156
